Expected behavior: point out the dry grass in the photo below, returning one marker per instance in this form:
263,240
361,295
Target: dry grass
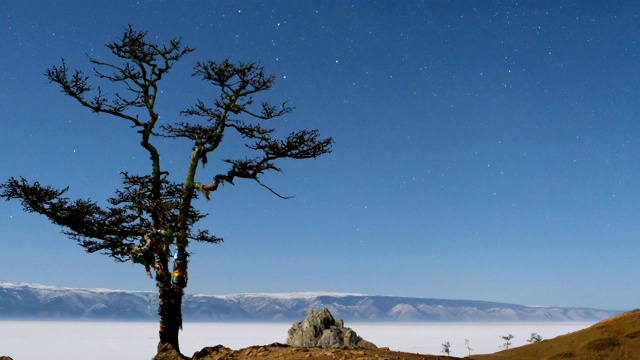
616,338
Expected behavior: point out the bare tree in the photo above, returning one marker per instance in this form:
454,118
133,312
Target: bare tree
446,348
507,341
151,219
535,337
468,346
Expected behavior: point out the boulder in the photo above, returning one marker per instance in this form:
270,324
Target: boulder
168,352
364,344
320,329
211,351
330,338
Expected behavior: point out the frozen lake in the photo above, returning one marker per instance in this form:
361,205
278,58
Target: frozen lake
138,340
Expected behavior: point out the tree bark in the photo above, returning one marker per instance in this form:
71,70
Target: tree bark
170,312
170,293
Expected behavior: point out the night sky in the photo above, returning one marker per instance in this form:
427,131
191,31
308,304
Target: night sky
483,149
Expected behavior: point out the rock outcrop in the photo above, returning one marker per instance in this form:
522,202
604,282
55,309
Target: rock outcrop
168,352
320,329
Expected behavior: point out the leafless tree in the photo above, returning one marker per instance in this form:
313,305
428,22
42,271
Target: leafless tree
446,348
535,337
151,219
507,341
468,346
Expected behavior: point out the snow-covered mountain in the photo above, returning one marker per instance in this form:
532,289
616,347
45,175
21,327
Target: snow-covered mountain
31,301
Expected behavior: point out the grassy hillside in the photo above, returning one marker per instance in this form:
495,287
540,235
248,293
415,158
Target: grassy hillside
616,338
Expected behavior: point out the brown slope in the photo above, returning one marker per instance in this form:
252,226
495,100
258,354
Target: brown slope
616,338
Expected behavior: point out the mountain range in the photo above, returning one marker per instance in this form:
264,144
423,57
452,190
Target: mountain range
33,301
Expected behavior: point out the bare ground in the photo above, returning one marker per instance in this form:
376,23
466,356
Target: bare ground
279,351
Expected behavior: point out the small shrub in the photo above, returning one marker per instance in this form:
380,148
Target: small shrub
602,344
446,348
563,355
633,335
535,337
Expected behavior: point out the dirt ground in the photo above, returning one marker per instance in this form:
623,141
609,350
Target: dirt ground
279,351
616,338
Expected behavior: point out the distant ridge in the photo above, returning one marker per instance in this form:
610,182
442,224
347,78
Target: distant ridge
34,301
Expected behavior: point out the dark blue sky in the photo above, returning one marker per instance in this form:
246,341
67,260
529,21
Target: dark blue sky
484,149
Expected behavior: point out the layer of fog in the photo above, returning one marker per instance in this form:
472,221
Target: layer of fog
138,340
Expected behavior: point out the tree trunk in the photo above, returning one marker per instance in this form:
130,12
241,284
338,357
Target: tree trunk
170,312
170,292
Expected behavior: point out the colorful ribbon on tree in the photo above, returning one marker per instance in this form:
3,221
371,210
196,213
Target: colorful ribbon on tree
143,255
170,284
179,276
